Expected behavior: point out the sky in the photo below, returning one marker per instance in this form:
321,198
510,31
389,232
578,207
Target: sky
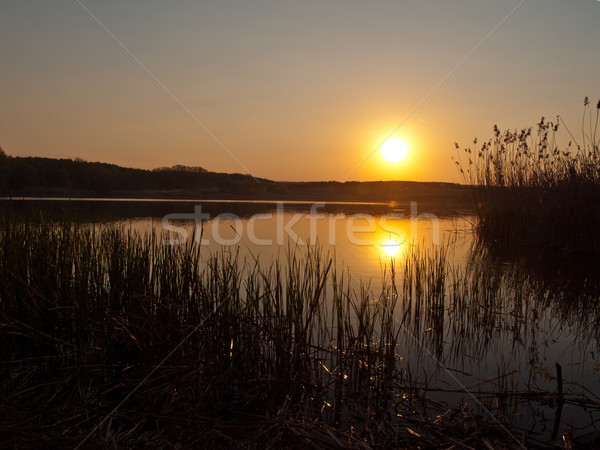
288,90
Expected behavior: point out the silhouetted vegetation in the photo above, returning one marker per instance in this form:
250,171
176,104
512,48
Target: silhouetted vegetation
113,337
32,176
533,195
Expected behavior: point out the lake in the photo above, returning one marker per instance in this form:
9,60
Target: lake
362,236
500,328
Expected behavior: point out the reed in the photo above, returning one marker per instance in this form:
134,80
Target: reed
258,355
531,194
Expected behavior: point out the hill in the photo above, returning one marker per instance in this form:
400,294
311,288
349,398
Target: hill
35,176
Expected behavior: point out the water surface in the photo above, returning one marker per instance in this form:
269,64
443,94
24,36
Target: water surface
504,330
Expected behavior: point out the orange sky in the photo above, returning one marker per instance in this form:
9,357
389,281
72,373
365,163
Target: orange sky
292,90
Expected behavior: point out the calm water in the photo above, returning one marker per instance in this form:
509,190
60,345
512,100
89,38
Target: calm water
518,320
361,236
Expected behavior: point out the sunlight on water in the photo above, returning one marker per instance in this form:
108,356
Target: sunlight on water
468,318
391,247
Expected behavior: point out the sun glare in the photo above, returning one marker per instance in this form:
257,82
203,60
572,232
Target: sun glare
391,247
394,150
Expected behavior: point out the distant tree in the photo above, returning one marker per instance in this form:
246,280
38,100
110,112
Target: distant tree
193,169
57,177
99,182
4,175
23,175
3,154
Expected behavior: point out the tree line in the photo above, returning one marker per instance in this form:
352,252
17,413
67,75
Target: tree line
26,175
22,176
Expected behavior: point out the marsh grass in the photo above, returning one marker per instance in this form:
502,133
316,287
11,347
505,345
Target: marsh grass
533,195
290,353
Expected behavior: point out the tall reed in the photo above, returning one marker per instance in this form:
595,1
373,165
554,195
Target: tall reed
86,313
530,193
291,351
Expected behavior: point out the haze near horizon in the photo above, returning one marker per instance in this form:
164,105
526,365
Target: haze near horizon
288,90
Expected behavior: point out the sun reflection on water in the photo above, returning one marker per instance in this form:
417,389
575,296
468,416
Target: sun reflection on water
391,247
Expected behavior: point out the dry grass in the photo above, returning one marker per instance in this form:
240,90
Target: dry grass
284,355
531,194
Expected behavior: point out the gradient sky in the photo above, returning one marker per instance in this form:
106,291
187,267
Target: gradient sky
295,90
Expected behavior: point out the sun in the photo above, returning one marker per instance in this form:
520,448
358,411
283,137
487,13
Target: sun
394,150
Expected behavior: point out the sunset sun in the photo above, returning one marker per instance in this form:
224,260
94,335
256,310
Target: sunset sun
394,150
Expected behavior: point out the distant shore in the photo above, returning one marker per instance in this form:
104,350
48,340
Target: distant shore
72,179
443,198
